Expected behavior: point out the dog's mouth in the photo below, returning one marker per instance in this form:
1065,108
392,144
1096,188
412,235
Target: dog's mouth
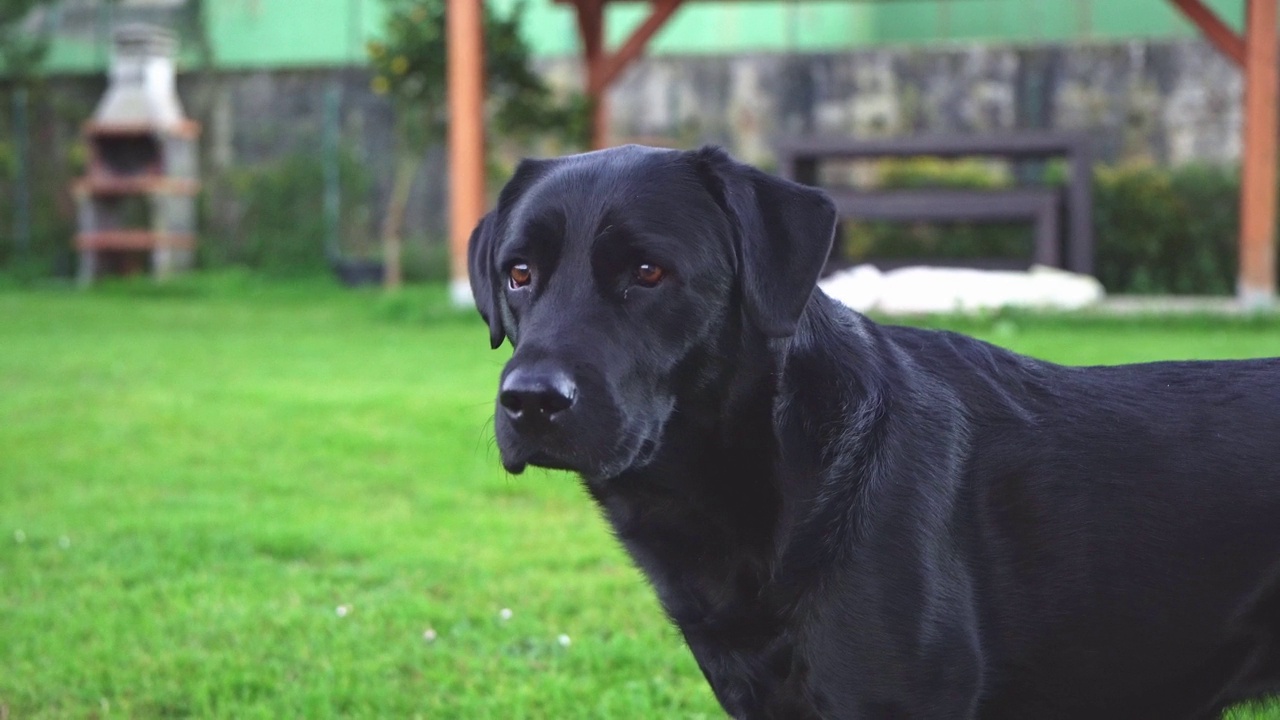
622,457
538,459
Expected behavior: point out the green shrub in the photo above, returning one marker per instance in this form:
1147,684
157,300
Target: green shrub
1166,231
426,259
281,227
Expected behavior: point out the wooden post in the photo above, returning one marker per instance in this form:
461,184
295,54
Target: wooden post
591,28
1080,243
634,45
1257,279
602,67
1216,31
466,136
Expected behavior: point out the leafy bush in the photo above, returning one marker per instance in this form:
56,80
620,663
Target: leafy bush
281,228
1161,231
409,66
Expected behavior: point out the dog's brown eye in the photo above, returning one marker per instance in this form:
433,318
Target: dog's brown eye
520,275
649,275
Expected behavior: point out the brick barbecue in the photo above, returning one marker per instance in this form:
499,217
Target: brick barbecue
136,205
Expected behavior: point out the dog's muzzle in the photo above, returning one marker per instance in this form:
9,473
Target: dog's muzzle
537,405
533,398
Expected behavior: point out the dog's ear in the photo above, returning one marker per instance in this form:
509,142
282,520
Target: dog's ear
783,232
483,276
482,271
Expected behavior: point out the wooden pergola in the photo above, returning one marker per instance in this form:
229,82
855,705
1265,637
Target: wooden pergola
1254,52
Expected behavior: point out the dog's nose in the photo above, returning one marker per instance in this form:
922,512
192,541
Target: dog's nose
533,395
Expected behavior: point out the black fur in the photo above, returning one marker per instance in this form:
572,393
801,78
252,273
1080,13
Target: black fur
849,520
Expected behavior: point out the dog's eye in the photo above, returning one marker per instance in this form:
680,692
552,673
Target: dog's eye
649,274
519,275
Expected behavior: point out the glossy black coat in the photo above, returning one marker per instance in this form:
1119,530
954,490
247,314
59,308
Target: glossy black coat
851,520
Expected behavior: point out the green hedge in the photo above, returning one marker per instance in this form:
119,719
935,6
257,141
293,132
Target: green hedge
1162,231
1158,230
280,225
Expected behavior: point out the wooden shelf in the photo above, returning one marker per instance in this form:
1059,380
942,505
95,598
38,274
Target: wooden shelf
133,240
108,186
189,129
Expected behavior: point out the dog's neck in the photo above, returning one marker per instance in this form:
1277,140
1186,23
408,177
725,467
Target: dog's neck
709,518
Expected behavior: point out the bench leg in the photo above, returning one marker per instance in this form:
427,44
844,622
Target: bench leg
1048,248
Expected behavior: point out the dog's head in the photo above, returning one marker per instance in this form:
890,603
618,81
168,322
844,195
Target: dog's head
612,271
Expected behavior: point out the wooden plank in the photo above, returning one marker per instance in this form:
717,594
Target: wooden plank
590,14
1013,204
885,264
1038,205
103,187
1227,41
634,45
1027,145
466,135
1257,279
187,129
602,67
132,240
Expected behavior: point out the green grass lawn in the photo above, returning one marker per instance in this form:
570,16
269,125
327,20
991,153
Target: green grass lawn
231,499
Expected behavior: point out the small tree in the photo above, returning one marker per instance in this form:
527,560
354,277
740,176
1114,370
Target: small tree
21,51
409,65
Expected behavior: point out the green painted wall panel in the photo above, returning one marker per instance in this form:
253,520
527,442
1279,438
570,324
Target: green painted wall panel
308,33
805,25
256,33
1022,21
711,27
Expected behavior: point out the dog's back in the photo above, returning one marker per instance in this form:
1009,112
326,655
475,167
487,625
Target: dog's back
1124,527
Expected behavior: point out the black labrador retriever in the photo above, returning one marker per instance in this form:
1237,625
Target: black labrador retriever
852,520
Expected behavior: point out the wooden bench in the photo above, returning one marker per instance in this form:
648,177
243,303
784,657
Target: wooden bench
800,159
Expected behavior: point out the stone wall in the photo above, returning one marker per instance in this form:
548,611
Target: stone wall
1173,102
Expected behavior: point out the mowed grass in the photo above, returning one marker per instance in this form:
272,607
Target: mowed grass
231,499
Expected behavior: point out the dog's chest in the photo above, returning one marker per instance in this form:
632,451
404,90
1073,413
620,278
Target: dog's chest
712,573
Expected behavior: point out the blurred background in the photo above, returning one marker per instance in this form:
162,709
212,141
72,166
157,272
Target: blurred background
246,453
343,102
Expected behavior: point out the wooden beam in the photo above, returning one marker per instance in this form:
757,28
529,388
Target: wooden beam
465,74
631,49
590,15
1257,279
602,67
1227,41
591,28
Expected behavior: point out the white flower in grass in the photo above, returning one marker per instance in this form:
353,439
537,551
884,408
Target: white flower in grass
504,614
19,536
343,610
563,640
64,542
429,635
